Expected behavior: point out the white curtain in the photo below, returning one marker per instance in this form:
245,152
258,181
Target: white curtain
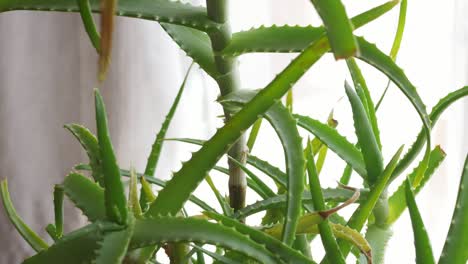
47,72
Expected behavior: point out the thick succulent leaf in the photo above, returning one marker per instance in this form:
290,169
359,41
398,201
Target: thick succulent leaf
196,44
173,12
285,126
335,142
456,245
289,38
113,246
366,137
338,27
279,201
360,83
153,158
378,238
437,110
171,229
77,247
172,198
332,250
286,253
397,202
133,201
265,189
25,231
227,210
422,243
90,144
58,210
215,256
359,217
86,195
114,194
88,22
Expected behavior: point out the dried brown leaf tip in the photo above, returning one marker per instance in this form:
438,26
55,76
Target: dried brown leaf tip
108,8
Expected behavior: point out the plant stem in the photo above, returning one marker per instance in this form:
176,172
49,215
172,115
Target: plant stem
228,81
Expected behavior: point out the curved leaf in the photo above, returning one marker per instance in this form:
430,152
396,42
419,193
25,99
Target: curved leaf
113,246
25,231
170,229
422,243
86,195
265,189
253,134
88,23
91,146
338,26
366,138
456,244
285,126
173,12
397,202
286,253
334,141
114,194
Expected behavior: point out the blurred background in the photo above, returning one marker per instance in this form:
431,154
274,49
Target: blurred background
48,71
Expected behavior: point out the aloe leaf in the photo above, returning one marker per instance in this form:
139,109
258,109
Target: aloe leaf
378,238
86,195
322,154
366,138
90,144
173,12
422,243
171,229
253,134
360,215
172,198
285,126
360,82
338,26
114,244
133,201
279,201
265,189
88,23
332,250
77,247
291,38
221,200
334,141
50,229
456,244
372,55
58,210
397,201
153,158
24,230
114,195
216,256
283,251
437,110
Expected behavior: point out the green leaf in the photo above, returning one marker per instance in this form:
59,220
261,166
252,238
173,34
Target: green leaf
400,30
172,12
172,198
378,238
366,138
397,202
422,243
286,253
265,189
291,38
114,194
253,134
334,141
285,126
437,110
227,210
456,244
86,195
58,210
153,158
114,244
90,144
171,229
133,201
216,256
77,247
25,231
332,250
359,217
88,23
338,26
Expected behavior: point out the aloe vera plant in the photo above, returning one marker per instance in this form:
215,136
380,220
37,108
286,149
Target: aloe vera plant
131,223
